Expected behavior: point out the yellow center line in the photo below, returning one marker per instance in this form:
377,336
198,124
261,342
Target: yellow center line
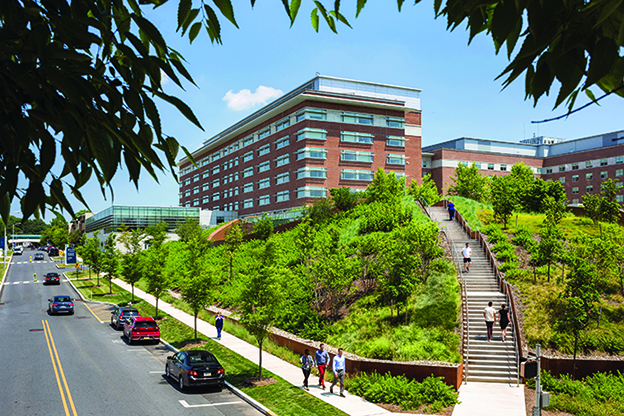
58,381
69,397
96,317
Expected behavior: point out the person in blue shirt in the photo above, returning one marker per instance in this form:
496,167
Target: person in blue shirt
219,324
321,361
451,211
339,372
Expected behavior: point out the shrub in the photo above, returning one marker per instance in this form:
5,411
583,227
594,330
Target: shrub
524,238
343,198
383,217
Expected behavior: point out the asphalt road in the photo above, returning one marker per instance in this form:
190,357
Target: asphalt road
79,365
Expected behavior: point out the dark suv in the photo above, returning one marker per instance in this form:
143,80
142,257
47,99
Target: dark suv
121,314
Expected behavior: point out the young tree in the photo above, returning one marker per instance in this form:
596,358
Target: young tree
110,260
130,264
549,246
91,254
385,188
264,227
344,198
504,197
233,241
469,183
261,297
427,191
153,263
603,208
196,289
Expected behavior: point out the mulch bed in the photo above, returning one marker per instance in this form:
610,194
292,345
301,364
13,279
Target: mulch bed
256,381
447,411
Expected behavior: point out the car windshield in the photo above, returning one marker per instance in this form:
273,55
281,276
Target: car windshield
62,299
53,275
145,324
130,313
202,359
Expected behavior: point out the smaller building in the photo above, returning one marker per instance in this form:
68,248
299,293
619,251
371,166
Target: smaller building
79,223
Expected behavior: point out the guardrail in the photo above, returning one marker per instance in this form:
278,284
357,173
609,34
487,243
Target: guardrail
465,323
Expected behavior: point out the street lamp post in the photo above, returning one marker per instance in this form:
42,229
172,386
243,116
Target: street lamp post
405,176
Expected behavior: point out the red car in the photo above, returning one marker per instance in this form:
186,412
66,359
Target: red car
141,328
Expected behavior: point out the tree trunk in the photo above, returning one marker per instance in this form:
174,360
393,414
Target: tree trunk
516,220
156,307
574,359
110,284
132,292
260,358
98,278
195,314
600,228
548,272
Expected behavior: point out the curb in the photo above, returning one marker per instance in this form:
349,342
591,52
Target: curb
80,294
5,274
258,406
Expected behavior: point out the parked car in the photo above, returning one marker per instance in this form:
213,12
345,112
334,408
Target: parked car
52,278
141,328
53,251
121,314
38,255
61,303
18,250
195,368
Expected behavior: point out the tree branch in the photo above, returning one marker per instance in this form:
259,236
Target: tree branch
580,108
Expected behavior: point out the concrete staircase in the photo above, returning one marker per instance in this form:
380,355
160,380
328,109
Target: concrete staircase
493,361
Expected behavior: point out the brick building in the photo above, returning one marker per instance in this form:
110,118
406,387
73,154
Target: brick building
580,164
327,133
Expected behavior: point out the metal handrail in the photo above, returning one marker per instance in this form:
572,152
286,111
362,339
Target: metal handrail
508,297
466,321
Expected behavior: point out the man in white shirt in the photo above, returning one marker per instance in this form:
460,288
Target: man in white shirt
467,253
339,372
490,319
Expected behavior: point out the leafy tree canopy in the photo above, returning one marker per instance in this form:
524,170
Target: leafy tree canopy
469,183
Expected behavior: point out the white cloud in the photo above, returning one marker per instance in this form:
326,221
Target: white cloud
245,99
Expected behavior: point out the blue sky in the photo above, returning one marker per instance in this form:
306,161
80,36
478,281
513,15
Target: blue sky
460,96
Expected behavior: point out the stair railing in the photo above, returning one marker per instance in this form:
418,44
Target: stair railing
514,320
456,259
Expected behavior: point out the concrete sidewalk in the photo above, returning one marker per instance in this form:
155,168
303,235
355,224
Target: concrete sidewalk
351,404
490,399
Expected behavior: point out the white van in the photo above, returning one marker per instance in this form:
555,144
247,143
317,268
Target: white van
18,250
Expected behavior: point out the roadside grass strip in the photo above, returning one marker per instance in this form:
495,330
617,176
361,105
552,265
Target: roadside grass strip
281,397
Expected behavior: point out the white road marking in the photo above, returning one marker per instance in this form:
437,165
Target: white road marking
185,404
16,283
26,282
156,372
141,350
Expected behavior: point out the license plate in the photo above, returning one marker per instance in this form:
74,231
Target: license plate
206,374
63,306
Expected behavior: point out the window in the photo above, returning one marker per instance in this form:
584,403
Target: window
395,159
205,175
589,164
575,178
589,189
196,178
196,190
235,176
575,202
282,124
187,181
283,178
216,196
216,208
356,175
490,166
283,142
351,137
562,168
575,190
619,172
206,199
549,170
604,175
205,187
604,162
264,200
236,190
477,164
312,172
562,179
619,159
248,187
263,150
424,165
235,206
282,196
196,202
248,156
264,133
312,153
187,193
312,114
248,203
395,122
264,183
282,160
538,171
619,198
248,172
463,163
264,166
353,156
589,176
620,184
575,166
248,140
216,170
216,182
308,133
225,165
215,156
187,204
357,118
311,192
395,141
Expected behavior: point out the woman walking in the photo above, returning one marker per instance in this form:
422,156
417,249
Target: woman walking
306,365
504,319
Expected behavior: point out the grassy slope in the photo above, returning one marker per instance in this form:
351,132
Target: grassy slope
281,397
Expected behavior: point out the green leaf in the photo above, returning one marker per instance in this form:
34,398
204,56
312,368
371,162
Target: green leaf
512,39
152,113
213,24
340,18
180,68
603,56
591,95
189,19
294,9
47,155
607,11
184,7
226,9
400,4
360,5
314,18
152,33
194,31
181,106
329,19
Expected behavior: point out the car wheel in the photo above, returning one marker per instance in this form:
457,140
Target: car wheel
71,313
181,382
220,387
167,373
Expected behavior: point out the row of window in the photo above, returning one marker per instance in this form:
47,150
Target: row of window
590,188
307,113
589,176
588,164
490,166
303,192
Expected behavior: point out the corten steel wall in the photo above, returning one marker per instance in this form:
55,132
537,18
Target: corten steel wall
332,163
452,374
584,367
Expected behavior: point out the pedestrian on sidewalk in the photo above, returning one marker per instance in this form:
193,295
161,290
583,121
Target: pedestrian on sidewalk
490,319
451,211
321,361
467,253
338,366
219,324
504,319
307,362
